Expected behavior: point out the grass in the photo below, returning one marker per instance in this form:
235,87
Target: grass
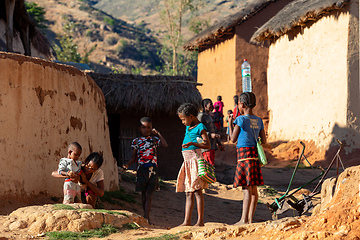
127,177
114,197
68,207
162,184
105,231
269,191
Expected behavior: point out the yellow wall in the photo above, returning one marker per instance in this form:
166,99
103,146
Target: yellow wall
43,107
216,71
308,83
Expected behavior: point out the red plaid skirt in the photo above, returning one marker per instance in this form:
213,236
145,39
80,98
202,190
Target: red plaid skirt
248,171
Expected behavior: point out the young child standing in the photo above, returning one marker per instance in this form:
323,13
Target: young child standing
220,109
228,117
71,168
248,172
188,180
144,152
207,120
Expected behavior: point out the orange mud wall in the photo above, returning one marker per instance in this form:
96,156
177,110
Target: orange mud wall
313,82
216,71
45,106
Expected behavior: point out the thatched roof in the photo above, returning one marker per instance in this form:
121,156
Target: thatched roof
126,93
22,19
296,13
224,29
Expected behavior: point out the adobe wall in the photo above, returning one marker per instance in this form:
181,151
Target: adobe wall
45,106
308,84
216,71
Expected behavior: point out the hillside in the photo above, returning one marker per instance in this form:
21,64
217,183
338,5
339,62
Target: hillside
148,11
120,45
127,36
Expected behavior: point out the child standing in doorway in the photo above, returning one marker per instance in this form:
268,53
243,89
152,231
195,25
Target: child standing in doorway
144,152
188,180
71,169
248,128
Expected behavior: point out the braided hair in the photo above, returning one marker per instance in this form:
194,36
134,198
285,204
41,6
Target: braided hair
188,109
248,98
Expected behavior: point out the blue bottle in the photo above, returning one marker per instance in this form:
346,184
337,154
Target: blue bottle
246,76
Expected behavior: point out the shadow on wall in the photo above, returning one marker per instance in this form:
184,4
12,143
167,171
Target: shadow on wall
350,155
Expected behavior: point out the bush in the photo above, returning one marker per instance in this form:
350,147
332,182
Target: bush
112,40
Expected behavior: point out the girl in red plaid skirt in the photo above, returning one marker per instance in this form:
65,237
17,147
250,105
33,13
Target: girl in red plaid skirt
245,130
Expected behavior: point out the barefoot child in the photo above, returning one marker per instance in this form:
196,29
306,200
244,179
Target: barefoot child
144,151
229,116
70,168
248,172
188,180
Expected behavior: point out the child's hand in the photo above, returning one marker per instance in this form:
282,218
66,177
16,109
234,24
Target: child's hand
154,131
186,145
71,174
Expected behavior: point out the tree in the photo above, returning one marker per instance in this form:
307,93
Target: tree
68,49
37,13
177,61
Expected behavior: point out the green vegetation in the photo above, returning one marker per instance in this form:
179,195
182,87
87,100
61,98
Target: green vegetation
128,177
68,207
68,49
37,13
109,21
131,226
269,191
105,231
114,197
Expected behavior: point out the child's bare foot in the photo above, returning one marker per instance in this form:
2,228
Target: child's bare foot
185,224
241,222
201,224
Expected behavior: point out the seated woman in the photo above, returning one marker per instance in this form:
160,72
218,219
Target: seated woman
91,178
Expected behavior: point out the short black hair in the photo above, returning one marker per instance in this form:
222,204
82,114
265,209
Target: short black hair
145,119
96,158
188,109
219,98
75,145
236,99
205,102
229,111
248,98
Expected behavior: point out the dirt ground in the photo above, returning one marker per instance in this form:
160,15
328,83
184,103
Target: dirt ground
223,203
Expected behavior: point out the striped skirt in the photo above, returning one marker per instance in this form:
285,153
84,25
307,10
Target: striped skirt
188,179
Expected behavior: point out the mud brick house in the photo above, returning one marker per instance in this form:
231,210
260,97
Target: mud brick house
223,47
313,73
